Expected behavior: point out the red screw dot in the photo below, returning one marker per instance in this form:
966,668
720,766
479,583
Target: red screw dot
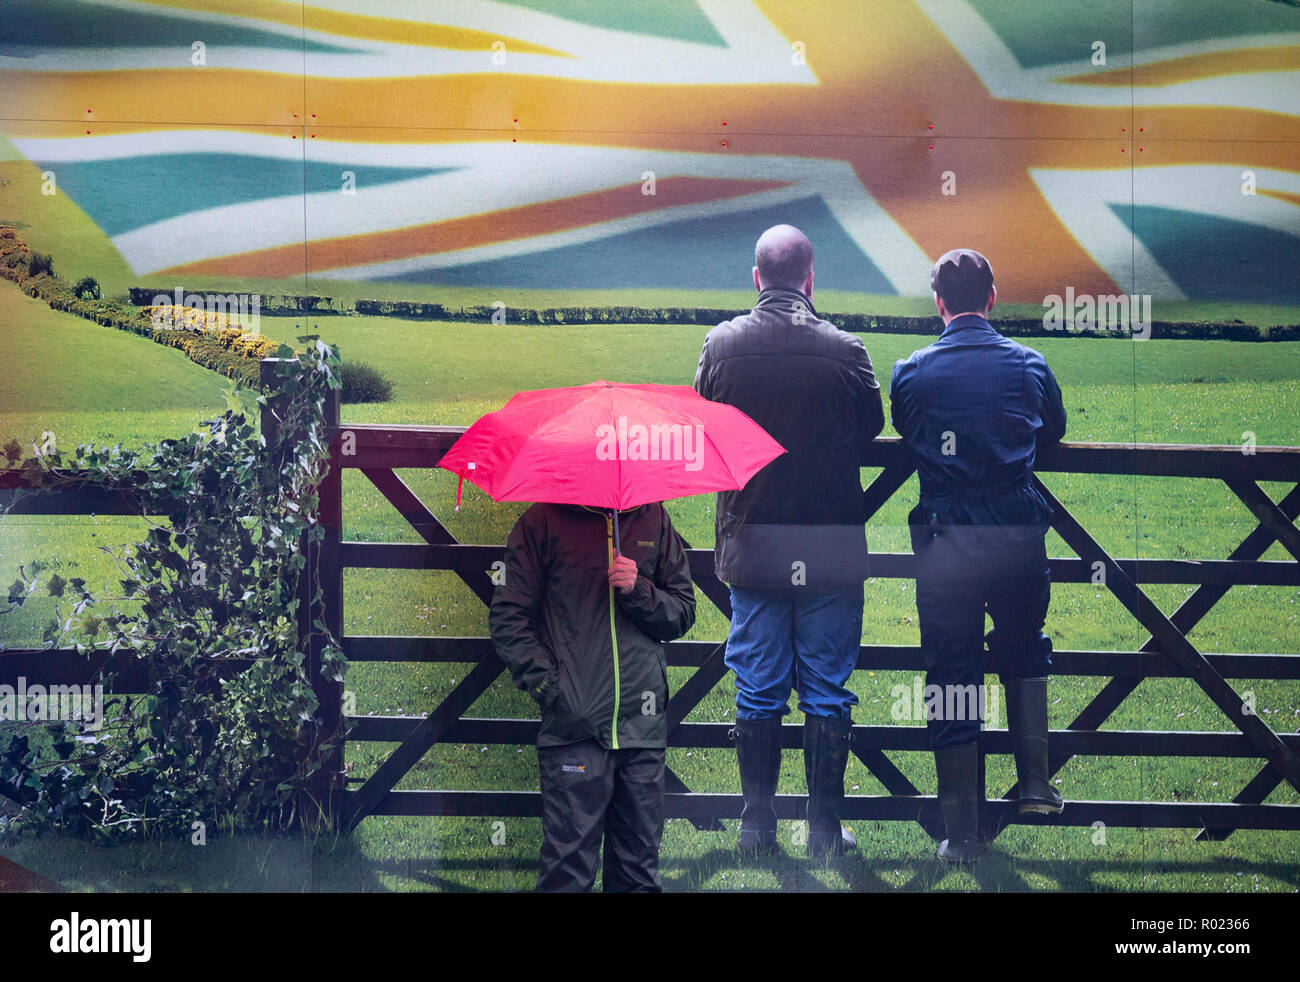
514,140
87,132
88,110
313,115
1141,128
724,143
724,122
1123,129
295,115
313,136
1140,149
295,136
1122,150
931,146
931,126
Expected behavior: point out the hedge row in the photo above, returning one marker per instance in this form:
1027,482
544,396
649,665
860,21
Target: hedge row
271,303
231,351
207,338
1234,330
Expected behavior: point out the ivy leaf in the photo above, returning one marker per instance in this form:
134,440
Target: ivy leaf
187,746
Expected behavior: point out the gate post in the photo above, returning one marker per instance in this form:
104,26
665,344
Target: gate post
330,781
320,797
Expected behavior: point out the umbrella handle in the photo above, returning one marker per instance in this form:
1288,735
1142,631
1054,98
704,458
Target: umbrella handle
616,549
460,482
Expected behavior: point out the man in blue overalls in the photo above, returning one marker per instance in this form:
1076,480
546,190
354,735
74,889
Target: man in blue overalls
974,408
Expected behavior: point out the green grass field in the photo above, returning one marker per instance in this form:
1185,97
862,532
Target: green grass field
87,383
93,383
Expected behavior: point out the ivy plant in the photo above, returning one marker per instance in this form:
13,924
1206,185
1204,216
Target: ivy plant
214,580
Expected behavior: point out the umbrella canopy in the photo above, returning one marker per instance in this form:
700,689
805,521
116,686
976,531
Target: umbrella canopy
609,445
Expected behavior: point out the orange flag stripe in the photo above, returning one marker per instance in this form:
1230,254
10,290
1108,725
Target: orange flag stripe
473,230
1189,68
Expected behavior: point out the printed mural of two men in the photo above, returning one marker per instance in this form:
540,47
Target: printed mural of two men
973,408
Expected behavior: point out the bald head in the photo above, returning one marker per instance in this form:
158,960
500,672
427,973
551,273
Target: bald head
783,257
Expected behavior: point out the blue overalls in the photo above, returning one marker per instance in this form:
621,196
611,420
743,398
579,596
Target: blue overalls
973,408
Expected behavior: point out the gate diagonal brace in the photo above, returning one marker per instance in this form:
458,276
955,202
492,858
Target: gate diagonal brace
1175,643
1270,515
1256,790
358,804
417,514
362,801
1278,519
1185,618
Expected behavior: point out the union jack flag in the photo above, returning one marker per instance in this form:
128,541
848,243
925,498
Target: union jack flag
1114,146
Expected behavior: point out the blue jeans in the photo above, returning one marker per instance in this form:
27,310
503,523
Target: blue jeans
783,640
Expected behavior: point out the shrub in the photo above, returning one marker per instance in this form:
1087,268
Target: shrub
40,262
363,383
87,288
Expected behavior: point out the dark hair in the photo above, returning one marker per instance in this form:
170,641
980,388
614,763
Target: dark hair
962,278
785,258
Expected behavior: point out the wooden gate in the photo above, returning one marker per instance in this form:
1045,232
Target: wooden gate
380,451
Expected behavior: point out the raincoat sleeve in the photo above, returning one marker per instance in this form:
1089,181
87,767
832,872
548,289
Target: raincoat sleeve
898,402
703,375
871,411
663,607
1052,407
517,609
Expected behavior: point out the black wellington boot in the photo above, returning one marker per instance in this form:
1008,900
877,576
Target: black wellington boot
758,754
825,755
958,771
1027,720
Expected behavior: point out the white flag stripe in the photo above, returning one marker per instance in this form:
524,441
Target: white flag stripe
1005,78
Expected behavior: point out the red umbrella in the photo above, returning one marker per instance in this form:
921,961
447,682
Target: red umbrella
609,445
